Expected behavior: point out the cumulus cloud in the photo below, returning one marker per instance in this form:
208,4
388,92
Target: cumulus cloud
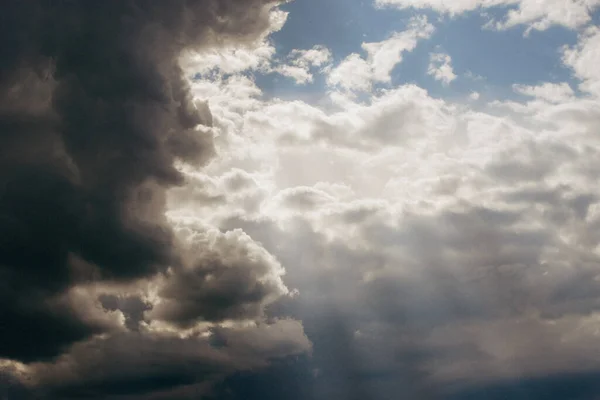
357,73
396,117
227,277
425,238
440,67
425,246
353,73
583,57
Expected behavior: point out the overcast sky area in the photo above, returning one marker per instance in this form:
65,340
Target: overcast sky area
306,200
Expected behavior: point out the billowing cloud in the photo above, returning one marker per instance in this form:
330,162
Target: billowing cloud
227,277
97,121
353,73
377,240
425,238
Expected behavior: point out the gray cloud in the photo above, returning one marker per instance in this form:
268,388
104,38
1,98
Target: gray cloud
228,276
412,281
133,308
94,112
95,116
136,365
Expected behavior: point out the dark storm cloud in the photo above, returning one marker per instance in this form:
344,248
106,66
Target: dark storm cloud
12,388
229,276
131,364
136,365
575,386
132,307
94,111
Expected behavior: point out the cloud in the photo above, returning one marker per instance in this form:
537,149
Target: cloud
538,15
227,277
423,276
353,73
85,174
357,74
258,56
440,67
318,56
550,92
410,244
396,117
135,365
301,75
383,56
583,57
426,238
235,57
98,122
301,62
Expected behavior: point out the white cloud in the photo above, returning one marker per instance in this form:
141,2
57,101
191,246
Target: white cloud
541,15
584,59
537,14
550,92
468,233
318,56
423,215
301,62
452,7
356,73
395,118
440,67
299,74
259,56
384,56
353,73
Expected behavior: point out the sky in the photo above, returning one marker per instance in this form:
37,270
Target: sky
305,200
